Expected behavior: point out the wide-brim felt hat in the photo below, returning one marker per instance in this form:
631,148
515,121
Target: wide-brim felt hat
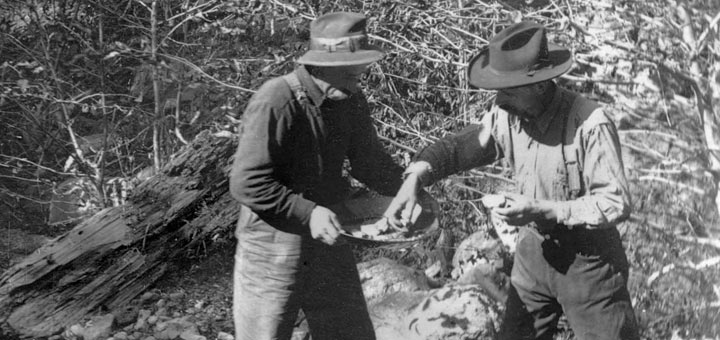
518,55
340,39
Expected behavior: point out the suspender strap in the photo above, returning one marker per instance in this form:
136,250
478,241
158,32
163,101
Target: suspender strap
571,156
297,88
312,113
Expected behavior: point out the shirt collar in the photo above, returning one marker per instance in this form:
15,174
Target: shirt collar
542,122
313,91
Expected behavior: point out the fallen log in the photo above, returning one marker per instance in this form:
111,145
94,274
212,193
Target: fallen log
112,257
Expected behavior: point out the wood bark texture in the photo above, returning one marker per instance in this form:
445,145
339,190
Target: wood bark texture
110,258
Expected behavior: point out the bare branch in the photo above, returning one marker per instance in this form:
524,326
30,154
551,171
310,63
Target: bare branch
676,184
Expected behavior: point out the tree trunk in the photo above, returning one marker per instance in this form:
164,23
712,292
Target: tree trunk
115,255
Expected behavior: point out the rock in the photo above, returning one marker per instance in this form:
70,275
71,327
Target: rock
479,260
162,335
152,319
225,336
508,234
176,296
441,256
478,247
490,278
434,270
388,312
160,326
141,322
126,315
448,313
160,303
76,330
192,336
121,336
161,311
383,276
148,296
150,338
99,327
177,327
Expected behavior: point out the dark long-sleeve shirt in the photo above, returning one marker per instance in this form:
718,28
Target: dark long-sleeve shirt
283,169
572,141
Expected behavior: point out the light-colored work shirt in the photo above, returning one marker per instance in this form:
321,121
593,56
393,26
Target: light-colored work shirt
569,154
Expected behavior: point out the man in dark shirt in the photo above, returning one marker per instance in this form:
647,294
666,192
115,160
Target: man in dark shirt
297,132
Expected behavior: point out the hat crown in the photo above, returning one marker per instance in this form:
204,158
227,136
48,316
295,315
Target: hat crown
338,25
518,55
520,47
338,39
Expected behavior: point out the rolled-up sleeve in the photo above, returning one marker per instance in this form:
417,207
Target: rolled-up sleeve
472,147
607,201
254,178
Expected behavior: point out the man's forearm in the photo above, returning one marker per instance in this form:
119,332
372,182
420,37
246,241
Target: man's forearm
422,170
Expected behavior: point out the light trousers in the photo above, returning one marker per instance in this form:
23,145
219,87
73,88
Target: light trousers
277,273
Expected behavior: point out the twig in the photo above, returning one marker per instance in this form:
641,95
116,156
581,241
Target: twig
715,243
377,37
476,37
188,17
650,153
635,218
425,139
38,165
477,209
710,27
664,270
659,171
471,189
600,81
418,53
673,183
445,38
407,148
203,73
292,9
177,131
696,266
490,175
648,132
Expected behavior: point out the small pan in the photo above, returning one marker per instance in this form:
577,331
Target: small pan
364,211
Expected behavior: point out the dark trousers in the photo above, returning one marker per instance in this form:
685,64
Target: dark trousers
582,273
277,273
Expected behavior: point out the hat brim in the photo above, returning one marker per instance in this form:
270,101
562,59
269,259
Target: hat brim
323,58
482,75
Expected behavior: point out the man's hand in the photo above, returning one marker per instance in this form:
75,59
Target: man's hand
520,210
400,211
324,225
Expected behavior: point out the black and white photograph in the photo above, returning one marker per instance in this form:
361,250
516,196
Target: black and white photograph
359,170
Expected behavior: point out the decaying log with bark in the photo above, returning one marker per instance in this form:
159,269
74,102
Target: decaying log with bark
107,260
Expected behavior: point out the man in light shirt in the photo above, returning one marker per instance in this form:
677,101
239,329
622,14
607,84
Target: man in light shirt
572,190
